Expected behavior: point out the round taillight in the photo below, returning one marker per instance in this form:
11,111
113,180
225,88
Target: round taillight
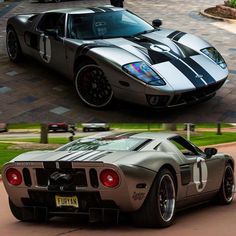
109,178
14,177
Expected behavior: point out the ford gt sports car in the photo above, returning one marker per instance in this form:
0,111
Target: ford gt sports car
149,175
111,53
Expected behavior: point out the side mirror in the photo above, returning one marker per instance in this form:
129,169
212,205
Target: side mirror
156,23
52,32
210,152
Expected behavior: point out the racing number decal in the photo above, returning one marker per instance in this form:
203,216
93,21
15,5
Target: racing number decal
45,48
200,174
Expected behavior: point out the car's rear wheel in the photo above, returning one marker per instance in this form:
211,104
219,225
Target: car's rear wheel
26,214
226,193
159,207
92,86
13,46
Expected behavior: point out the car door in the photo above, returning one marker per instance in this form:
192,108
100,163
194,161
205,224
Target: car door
51,34
205,174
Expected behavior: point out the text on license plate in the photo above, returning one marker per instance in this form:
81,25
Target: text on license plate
67,201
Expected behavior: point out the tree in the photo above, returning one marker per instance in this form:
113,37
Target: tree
44,133
169,126
219,129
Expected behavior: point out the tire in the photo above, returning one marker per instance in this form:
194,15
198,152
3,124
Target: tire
155,212
226,193
26,214
13,46
92,85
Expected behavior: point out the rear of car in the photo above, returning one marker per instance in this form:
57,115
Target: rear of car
63,127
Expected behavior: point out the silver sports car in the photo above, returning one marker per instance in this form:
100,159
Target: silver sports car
111,53
149,175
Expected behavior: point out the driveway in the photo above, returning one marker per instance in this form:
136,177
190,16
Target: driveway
30,92
204,220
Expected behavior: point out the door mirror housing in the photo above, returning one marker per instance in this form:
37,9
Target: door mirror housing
210,152
156,23
52,32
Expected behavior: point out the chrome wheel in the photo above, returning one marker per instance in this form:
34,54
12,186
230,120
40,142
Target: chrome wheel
228,184
166,198
12,44
93,87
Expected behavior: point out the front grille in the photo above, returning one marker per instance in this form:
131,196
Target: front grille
198,94
63,179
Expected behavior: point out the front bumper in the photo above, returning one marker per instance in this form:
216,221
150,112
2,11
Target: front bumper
185,97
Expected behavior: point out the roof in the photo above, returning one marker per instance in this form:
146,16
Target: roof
159,136
88,10
155,135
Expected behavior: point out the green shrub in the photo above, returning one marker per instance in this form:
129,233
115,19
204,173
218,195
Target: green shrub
231,3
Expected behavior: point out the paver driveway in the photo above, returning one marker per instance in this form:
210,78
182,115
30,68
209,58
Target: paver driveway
29,92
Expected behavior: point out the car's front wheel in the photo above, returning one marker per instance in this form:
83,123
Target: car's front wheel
24,214
159,207
13,46
92,86
226,193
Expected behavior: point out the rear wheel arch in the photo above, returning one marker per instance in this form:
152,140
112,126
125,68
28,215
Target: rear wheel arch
230,162
173,172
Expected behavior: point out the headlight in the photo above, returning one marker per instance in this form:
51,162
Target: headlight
143,72
215,56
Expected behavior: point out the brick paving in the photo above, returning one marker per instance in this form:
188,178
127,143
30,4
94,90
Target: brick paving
32,93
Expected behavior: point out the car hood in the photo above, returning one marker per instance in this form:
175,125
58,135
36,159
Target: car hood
168,52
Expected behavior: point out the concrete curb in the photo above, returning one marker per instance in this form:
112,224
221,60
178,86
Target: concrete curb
231,21
8,8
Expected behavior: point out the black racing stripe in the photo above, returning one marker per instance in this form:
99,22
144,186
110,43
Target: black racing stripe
95,9
188,73
199,69
106,9
147,42
179,36
171,35
80,155
68,154
155,57
97,156
158,57
100,156
91,155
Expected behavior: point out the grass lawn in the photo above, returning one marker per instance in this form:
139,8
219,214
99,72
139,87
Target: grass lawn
7,154
210,138
151,126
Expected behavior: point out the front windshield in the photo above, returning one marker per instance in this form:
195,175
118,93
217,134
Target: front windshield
105,144
106,25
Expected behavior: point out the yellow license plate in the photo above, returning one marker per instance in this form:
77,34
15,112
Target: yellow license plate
62,201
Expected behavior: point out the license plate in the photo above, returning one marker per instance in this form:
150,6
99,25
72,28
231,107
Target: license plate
67,201
54,126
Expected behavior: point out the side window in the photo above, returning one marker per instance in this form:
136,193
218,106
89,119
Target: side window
53,21
185,147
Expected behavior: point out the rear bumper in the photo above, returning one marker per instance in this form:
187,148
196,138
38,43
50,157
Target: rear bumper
90,205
